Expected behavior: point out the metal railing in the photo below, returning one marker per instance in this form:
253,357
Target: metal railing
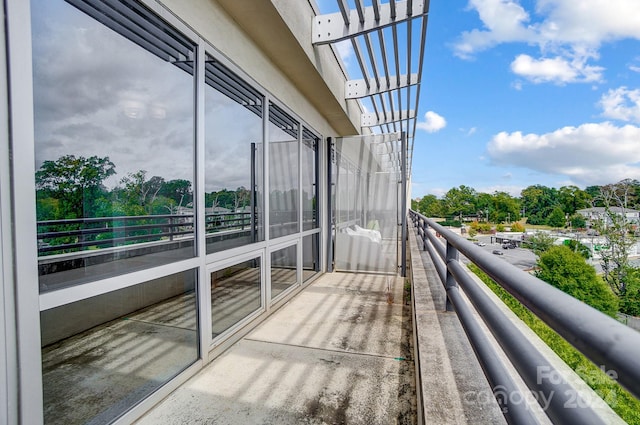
603,340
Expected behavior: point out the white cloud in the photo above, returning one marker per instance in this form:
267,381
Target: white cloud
634,68
594,153
558,70
589,22
438,191
432,122
621,104
504,21
511,190
345,51
568,34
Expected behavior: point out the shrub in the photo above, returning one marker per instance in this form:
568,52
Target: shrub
500,227
578,221
484,228
452,223
517,227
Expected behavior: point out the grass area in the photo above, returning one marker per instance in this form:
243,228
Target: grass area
620,400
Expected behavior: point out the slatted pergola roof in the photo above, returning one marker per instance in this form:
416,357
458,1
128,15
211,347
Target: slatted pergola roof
388,40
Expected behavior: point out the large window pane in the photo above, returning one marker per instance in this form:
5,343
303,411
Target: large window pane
235,294
283,173
233,179
310,146
283,269
114,140
103,355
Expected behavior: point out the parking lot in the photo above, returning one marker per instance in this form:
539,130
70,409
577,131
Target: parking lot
520,257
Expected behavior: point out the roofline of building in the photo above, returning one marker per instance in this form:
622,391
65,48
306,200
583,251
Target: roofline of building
283,33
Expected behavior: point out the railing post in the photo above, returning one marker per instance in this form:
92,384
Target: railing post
171,228
452,255
425,228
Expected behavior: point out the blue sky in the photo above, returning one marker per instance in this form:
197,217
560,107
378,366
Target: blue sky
516,93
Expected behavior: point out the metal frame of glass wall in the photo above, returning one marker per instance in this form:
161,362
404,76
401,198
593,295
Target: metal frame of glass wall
8,368
188,278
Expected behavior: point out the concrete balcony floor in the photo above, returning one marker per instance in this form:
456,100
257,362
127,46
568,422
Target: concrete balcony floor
340,352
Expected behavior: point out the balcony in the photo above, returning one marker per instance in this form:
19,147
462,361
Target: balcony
355,348
350,350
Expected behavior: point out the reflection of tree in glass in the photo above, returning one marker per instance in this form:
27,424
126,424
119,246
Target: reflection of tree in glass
140,192
153,196
70,190
228,200
74,182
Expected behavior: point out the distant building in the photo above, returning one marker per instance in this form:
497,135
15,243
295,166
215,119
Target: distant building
599,213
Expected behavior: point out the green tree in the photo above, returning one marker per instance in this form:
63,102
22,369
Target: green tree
572,199
594,193
556,218
484,204
568,271
431,206
505,208
540,242
460,201
76,182
630,298
537,202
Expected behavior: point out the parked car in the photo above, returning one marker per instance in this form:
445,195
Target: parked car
481,244
498,252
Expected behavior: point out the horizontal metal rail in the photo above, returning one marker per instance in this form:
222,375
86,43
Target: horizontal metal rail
600,338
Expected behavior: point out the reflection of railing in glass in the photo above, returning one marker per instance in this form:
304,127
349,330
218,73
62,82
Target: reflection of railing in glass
60,236
65,236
